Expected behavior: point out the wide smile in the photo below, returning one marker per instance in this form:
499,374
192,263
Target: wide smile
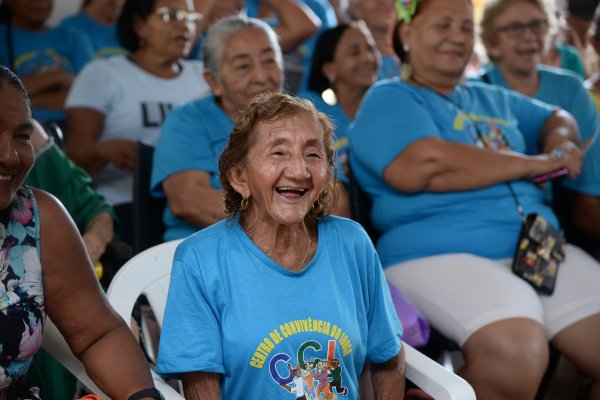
291,193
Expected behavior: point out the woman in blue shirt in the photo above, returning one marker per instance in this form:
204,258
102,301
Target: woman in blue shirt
280,290
446,163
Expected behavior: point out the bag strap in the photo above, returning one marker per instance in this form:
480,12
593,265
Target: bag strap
517,202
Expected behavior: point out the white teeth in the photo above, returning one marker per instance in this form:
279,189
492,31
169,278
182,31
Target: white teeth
295,189
5,177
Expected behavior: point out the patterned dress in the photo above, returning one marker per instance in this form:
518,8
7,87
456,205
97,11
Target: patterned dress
22,310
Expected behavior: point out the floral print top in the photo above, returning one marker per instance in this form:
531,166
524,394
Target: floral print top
22,311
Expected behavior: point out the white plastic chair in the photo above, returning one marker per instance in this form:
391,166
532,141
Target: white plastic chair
149,273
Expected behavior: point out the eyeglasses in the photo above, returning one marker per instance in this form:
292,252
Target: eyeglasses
169,14
516,29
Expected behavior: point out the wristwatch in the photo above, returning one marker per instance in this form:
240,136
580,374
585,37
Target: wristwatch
144,393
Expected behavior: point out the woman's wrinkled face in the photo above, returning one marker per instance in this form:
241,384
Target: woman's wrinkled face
164,34
249,66
356,60
286,169
521,34
440,40
16,151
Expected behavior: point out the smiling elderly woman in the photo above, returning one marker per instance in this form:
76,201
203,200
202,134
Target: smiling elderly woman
279,286
45,274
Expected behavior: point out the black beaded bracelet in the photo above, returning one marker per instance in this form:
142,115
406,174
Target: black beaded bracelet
142,394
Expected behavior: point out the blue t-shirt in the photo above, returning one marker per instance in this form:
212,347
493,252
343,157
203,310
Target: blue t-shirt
560,88
570,59
103,37
50,49
192,138
389,67
341,123
565,90
485,221
232,310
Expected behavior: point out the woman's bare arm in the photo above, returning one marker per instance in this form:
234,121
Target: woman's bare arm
388,378
192,199
76,304
83,147
297,22
201,386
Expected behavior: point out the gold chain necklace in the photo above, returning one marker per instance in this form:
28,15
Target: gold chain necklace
305,254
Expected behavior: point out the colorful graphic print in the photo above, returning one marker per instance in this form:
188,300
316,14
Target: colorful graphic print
314,372
21,293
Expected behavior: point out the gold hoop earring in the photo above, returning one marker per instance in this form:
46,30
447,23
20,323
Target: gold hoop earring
317,207
244,203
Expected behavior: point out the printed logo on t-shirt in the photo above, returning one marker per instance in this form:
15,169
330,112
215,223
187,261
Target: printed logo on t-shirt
36,62
314,371
154,113
484,132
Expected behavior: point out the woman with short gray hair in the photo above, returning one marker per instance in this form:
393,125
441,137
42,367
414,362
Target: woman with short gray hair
242,59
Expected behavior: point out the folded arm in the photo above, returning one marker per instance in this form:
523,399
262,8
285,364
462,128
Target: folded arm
83,147
192,199
98,233
434,165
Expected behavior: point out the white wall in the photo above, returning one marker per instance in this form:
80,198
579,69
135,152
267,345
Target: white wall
63,8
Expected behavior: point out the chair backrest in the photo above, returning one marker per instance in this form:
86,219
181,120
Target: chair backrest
55,131
360,206
147,273
148,225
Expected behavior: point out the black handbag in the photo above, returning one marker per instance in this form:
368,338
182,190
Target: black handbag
540,250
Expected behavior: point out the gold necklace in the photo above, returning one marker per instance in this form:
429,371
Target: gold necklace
305,254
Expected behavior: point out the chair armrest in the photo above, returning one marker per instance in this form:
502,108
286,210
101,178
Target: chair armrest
434,379
54,343
167,391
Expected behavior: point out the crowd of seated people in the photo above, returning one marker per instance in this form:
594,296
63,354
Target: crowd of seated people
448,162
119,100
45,58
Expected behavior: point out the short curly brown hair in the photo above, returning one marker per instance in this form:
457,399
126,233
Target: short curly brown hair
269,107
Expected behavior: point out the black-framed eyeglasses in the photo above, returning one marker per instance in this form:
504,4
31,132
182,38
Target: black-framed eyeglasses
169,14
537,26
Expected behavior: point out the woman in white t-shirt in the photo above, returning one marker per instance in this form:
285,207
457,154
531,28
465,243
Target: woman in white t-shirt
118,101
